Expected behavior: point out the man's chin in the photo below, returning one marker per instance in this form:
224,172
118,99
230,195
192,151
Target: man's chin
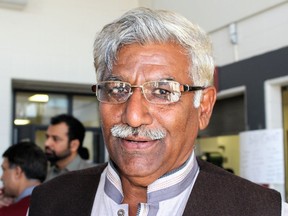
52,159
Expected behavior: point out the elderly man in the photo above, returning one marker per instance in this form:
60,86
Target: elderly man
154,82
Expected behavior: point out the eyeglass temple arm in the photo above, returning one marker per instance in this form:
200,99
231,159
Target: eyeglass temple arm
93,88
192,88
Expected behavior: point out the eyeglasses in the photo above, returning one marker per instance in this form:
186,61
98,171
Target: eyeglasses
156,92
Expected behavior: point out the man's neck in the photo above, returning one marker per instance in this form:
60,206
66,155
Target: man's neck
133,195
27,183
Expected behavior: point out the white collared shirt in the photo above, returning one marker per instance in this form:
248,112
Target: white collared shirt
166,196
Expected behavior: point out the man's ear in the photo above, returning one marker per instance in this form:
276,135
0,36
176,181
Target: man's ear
206,106
18,172
74,144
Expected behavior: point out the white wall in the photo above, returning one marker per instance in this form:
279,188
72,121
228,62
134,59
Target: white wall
49,40
257,34
214,14
261,24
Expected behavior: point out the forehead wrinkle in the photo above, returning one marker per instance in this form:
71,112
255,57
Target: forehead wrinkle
145,58
148,63
146,71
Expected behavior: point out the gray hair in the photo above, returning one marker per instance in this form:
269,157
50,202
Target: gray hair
146,26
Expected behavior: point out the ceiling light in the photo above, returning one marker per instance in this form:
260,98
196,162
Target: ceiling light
21,121
39,98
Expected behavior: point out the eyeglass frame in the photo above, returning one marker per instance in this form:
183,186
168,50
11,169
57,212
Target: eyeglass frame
185,88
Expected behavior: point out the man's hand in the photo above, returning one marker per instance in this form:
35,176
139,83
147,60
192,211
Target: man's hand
4,200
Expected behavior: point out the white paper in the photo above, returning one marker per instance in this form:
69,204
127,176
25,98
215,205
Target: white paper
262,156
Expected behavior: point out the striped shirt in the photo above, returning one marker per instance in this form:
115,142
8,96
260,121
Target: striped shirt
168,195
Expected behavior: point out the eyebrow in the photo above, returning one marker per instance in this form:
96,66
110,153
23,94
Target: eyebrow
56,137
112,78
167,79
53,136
117,78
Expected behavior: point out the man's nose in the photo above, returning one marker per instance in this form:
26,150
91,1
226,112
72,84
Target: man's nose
137,110
47,142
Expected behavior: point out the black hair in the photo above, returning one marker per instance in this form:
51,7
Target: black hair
30,158
76,130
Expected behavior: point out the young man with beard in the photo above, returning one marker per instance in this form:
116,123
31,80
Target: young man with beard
64,145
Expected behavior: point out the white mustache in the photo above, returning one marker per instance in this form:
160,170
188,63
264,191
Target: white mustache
124,131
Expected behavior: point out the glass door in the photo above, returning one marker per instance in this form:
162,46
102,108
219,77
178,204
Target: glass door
285,132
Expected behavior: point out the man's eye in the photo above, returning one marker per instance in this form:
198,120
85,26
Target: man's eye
162,91
56,139
118,90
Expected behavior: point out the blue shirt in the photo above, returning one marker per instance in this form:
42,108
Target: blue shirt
25,193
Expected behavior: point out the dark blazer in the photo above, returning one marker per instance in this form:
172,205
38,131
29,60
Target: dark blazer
216,193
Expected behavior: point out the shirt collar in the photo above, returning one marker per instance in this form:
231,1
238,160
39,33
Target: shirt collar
74,164
167,186
25,193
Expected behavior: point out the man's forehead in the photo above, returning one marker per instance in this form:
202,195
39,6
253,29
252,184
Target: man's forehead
57,129
153,62
5,162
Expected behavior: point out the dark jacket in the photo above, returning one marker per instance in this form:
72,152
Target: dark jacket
216,193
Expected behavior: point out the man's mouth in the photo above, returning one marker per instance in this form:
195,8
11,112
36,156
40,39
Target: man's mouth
48,151
134,143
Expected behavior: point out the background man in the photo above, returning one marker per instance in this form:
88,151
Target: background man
154,74
24,167
64,145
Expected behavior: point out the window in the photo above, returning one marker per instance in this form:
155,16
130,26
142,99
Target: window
33,111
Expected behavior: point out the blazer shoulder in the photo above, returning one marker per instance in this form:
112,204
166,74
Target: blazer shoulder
73,178
215,186
218,175
75,189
